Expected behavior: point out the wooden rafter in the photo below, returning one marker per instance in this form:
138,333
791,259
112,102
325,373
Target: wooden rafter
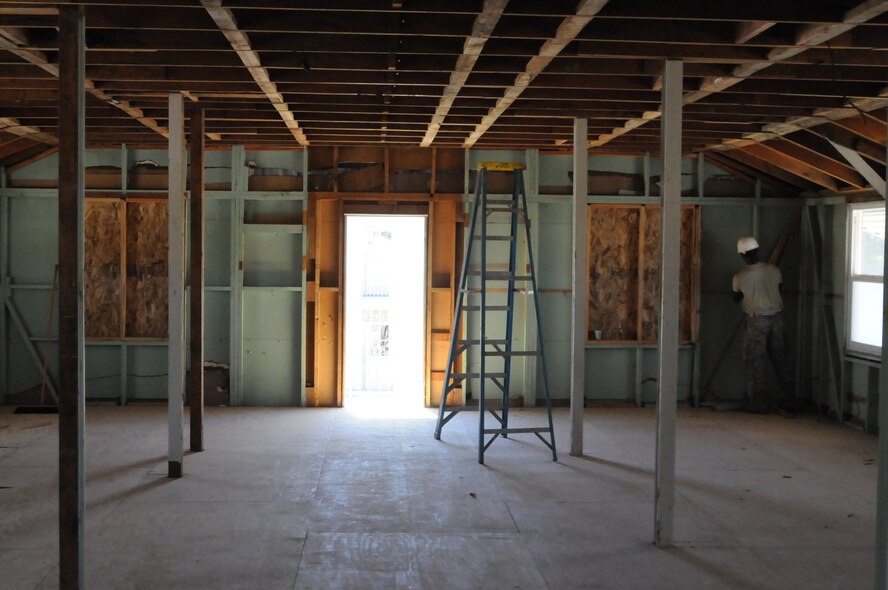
240,42
867,127
368,71
14,41
746,30
834,133
30,159
808,36
835,168
749,173
10,125
763,161
481,31
766,152
567,31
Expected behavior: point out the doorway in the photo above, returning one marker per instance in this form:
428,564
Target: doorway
385,258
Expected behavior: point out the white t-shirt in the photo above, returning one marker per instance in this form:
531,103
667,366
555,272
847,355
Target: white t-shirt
760,285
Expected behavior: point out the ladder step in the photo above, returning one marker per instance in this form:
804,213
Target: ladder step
476,374
501,209
496,238
516,430
501,201
491,342
500,275
512,353
486,308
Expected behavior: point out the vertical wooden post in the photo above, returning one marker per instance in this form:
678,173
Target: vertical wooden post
881,581
176,344
667,345
578,319
196,382
71,341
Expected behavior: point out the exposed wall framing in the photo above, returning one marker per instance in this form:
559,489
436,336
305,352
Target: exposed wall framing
623,283
126,268
445,246
104,268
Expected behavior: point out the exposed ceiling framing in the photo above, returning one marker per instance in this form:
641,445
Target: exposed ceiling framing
768,83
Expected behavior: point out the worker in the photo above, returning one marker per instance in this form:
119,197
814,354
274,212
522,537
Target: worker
758,288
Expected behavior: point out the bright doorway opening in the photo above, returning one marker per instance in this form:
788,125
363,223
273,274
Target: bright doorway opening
385,258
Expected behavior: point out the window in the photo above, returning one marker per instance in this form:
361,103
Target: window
866,250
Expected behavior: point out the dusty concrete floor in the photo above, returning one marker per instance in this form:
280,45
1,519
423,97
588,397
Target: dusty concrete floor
330,499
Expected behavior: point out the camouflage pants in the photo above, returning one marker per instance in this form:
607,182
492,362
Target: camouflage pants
763,340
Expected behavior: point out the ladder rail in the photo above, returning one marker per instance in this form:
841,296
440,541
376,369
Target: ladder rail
483,319
536,304
502,347
457,315
510,303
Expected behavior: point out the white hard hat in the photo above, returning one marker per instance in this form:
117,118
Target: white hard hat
745,244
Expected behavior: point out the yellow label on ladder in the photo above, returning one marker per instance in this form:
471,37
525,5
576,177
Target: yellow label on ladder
501,166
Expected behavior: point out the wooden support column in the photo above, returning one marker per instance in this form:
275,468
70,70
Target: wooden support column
578,299
667,344
176,344
72,115
881,581
196,382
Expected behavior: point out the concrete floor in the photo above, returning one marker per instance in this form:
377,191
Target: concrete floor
340,499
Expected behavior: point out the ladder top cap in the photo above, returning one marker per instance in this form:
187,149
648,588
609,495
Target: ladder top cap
501,166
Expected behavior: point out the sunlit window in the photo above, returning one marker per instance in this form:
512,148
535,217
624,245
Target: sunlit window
866,237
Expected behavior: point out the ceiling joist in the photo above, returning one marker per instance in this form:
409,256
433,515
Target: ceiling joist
482,28
567,31
240,42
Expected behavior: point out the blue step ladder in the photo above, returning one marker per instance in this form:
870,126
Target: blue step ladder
494,351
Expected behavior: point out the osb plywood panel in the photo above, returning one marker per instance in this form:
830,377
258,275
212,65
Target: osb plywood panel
613,271
328,241
327,349
146,269
651,284
101,292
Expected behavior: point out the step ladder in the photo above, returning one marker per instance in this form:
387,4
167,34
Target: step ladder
496,354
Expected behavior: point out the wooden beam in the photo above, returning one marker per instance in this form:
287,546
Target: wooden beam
567,31
482,28
746,30
876,181
580,287
15,146
667,339
176,274
10,125
770,168
44,153
817,160
748,172
867,127
196,381
835,134
790,164
808,37
240,42
13,42
72,384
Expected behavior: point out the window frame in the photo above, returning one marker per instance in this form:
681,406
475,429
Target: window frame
852,346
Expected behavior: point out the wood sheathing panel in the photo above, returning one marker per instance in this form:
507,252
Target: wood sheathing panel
443,269
613,271
146,269
102,269
327,305
651,273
